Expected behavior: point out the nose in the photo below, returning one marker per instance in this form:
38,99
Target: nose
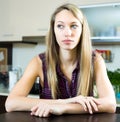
67,31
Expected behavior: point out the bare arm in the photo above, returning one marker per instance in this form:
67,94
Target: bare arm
104,103
105,90
17,100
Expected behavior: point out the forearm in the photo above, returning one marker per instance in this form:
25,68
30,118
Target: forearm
105,106
20,103
74,108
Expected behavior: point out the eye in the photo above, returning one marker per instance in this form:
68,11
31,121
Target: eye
60,26
74,26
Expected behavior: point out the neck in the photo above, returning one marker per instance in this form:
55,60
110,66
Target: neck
68,57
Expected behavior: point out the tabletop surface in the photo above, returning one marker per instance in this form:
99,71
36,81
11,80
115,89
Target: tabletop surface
26,117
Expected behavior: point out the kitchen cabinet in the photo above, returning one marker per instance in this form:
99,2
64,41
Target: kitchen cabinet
104,23
31,18
22,18
4,18
34,40
2,104
92,2
6,30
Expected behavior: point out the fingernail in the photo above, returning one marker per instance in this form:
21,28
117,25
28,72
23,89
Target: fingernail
91,112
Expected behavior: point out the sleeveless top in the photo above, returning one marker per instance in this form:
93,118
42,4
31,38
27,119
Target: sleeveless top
65,90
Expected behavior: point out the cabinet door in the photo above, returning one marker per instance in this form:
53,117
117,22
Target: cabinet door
91,2
2,104
4,18
29,17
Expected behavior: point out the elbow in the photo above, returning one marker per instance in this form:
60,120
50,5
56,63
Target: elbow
108,106
112,107
9,105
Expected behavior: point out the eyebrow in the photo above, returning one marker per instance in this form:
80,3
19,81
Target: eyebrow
63,22
60,21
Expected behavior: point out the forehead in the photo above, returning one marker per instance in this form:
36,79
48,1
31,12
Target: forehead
65,15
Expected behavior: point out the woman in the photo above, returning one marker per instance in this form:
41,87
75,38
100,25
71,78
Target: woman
67,71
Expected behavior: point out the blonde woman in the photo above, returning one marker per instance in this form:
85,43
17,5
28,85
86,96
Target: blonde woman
67,70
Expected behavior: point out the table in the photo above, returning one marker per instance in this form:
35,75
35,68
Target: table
26,117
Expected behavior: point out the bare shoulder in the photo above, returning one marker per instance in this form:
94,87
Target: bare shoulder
97,57
36,65
36,60
99,64
98,60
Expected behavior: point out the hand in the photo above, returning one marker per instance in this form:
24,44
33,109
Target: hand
45,109
89,104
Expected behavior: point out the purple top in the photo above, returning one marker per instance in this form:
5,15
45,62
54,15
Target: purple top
65,90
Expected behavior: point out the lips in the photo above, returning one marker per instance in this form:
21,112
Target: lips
67,41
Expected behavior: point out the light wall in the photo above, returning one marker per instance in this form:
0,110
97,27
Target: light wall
23,53
115,49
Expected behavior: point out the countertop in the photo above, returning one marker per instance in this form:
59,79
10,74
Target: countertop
26,117
4,91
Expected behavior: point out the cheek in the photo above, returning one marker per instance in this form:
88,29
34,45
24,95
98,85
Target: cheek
57,35
56,32
78,34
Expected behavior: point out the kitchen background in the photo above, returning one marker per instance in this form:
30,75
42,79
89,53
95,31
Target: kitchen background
26,18
24,23
103,20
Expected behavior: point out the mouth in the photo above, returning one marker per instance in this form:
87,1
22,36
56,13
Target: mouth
67,41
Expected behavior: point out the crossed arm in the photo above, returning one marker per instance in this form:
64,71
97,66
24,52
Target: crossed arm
18,100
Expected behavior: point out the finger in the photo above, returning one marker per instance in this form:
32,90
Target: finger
46,113
94,106
88,106
41,112
33,110
82,103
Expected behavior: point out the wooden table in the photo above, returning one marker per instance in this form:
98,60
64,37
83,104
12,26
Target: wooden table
26,117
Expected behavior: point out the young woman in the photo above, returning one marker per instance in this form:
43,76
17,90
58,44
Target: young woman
67,71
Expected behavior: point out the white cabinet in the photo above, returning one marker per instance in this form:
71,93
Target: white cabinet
23,18
6,31
91,2
4,18
30,17
27,17
104,22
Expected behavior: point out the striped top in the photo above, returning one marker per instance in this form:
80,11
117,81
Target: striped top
65,90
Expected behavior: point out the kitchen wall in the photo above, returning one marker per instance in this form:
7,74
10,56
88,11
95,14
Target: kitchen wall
34,20
115,49
23,53
30,17
104,21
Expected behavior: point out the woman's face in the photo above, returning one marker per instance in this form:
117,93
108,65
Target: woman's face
67,30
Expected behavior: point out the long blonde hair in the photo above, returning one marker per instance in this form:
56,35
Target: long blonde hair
84,54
